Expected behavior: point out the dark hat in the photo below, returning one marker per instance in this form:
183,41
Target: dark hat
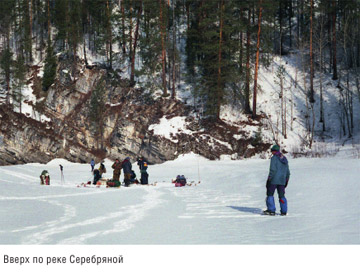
275,148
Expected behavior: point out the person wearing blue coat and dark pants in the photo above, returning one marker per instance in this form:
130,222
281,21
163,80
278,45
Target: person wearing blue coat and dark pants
278,180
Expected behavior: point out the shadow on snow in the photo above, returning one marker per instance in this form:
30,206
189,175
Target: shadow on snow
247,209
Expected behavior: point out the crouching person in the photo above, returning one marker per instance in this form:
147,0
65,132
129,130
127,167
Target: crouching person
97,176
44,178
180,181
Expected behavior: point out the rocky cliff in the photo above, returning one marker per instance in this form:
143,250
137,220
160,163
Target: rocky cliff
127,115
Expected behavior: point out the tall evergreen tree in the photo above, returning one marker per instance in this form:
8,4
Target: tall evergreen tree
49,68
97,112
5,64
19,78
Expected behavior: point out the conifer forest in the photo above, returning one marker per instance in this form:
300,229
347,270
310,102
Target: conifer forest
214,46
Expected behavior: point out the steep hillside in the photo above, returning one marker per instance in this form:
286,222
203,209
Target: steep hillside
58,123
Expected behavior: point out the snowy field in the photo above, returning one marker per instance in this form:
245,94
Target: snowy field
224,209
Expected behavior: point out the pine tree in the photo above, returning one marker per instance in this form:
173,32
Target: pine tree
6,19
150,49
19,78
97,112
73,30
49,68
5,64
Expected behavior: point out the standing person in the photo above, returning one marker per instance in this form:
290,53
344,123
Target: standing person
127,167
143,167
117,169
278,180
92,163
102,168
62,173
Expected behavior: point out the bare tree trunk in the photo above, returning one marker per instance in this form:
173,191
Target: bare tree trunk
132,75
307,114
311,98
219,86
174,59
257,60
313,126
123,27
7,72
282,104
281,27
247,86
187,15
335,75
131,32
349,106
322,119
48,20
292,110
330,39
285,130
290,24
163,50
30,27
109,33
241,43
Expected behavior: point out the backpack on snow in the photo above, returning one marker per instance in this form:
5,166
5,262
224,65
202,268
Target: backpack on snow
113,183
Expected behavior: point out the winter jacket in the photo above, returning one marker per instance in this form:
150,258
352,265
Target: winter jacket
102,169
142,166
117,167
97,176
127,167
279,170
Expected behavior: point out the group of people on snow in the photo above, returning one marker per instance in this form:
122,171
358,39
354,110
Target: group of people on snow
126,166
277,180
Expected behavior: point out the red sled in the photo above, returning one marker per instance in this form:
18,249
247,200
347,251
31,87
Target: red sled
178,184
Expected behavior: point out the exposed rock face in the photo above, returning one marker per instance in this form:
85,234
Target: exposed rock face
128,114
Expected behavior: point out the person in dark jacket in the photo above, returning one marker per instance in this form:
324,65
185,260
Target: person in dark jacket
102,169
278,179
127,167
97,176
133,179
143,170
117,170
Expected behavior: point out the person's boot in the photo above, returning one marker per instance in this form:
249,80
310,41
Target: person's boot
267,212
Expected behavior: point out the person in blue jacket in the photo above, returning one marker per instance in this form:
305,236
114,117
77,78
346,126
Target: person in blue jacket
278,179
92,164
